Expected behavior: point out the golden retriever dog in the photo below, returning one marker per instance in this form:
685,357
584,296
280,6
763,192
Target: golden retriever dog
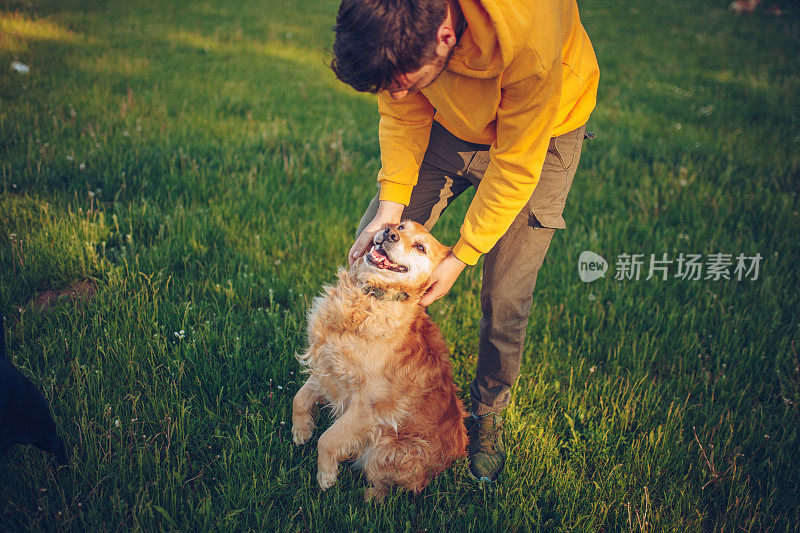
376,358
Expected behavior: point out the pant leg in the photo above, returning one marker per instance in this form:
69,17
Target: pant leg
509,276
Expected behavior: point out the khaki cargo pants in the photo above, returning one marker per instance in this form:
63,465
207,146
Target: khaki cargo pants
449,167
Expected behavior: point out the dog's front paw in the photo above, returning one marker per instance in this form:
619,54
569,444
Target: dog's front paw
326,479
302,432
302,428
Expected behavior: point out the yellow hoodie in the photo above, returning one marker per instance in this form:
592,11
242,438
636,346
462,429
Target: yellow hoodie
523,71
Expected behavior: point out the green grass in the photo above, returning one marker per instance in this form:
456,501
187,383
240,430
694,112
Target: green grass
200,165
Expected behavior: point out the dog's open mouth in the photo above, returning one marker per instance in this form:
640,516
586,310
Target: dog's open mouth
377,257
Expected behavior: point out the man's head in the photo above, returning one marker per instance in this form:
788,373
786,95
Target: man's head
395,45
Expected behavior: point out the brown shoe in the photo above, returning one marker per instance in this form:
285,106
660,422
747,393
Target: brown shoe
487,454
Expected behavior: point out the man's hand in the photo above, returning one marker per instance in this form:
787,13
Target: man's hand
389,213
442,279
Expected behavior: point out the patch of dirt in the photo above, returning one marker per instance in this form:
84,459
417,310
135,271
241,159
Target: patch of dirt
78,292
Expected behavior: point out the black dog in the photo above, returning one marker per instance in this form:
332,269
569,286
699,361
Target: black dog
24,413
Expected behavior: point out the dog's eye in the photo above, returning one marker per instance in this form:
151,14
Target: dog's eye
419,248
399,227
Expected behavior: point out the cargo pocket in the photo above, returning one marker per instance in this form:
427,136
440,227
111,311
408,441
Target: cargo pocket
550,196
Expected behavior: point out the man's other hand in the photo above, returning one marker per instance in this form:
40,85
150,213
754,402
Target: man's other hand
442,279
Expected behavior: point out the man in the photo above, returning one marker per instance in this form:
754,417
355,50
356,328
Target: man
479,93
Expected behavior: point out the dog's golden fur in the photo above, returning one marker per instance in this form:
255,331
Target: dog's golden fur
382,365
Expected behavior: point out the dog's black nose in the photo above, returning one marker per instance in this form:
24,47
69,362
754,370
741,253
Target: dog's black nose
391,235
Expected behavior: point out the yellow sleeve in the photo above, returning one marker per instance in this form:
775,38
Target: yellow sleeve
525,120
403,134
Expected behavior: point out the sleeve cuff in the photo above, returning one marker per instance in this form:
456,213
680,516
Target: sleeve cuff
466,252
395,192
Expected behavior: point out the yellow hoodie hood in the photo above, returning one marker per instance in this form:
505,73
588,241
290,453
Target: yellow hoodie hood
485,48
494,36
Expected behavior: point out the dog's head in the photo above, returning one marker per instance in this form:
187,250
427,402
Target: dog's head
402,257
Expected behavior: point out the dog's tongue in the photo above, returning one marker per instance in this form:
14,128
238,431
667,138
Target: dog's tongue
378,257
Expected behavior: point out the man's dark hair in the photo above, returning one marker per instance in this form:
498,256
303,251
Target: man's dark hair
378,40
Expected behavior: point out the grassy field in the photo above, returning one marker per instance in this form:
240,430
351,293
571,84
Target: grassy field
195,172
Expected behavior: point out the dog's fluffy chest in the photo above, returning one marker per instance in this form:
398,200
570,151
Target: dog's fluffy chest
351,339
